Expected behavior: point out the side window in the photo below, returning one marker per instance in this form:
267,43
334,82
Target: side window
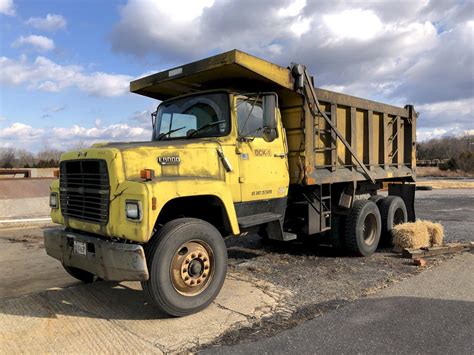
250,117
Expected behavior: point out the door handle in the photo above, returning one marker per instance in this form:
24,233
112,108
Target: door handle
280,155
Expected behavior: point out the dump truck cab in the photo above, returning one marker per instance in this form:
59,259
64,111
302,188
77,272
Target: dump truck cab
239,145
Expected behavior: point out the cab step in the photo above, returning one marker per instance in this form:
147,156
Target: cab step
256,219
287,236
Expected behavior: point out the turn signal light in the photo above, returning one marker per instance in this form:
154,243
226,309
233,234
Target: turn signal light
147,174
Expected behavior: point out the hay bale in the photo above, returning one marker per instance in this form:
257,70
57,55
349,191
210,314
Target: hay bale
436,232
413,235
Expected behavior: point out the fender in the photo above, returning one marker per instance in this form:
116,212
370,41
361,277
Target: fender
168,190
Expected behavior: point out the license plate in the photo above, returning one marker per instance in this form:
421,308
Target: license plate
79,248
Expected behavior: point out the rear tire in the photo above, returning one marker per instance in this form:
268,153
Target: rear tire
393,211
187,262
80,274
363,227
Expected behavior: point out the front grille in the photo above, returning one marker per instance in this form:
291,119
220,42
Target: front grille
84,190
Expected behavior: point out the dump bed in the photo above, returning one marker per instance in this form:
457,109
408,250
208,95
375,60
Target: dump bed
365,140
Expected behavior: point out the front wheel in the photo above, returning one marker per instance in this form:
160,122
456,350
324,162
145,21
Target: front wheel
187,262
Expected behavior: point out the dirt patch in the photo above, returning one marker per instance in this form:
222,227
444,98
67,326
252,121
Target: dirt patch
29,240
447,184
428,171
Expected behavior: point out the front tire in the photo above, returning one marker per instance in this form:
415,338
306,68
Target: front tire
363,227
187,262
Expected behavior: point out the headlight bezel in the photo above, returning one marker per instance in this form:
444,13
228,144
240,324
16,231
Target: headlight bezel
139,211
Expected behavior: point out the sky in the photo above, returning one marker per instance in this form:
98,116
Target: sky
65,66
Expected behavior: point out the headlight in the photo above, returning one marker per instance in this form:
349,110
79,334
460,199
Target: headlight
133,210
53,200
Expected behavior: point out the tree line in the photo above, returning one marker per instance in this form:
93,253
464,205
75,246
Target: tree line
22,158
459,151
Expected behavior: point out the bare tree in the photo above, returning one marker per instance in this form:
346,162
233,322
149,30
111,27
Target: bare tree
25,159
7,158
48,158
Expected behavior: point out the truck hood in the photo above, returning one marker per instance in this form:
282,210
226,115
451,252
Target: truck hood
170,159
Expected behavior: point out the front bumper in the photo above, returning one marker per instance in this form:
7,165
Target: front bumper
109,260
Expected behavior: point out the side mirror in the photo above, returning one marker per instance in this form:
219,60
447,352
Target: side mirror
269,117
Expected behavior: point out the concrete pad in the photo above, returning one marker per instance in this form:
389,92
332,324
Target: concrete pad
111,317
106,317
24,207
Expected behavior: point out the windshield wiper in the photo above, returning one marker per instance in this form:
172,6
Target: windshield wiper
205,127
162,135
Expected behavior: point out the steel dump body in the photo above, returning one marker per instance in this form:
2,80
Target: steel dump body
381,137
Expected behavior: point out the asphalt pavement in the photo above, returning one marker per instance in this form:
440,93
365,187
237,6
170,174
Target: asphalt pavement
431,313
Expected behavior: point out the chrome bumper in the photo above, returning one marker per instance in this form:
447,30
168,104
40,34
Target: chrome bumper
109,260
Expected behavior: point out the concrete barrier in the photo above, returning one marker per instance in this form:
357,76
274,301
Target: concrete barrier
24,198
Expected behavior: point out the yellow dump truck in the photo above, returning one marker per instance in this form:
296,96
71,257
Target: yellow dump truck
239,146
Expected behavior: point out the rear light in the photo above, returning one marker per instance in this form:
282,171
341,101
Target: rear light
147,174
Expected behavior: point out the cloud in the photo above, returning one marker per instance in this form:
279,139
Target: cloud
353,24
20,134
20,131
456,114
46,75
179,18
7,7
364,47
51,22
40,43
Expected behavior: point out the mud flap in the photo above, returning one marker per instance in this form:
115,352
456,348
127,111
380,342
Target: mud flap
407,193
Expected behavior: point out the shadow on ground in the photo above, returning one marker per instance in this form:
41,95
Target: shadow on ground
110,300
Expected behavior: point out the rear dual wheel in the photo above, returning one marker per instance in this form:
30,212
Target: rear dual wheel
393,211
187,262
362,228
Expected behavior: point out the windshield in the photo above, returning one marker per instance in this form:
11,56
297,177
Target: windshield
193,117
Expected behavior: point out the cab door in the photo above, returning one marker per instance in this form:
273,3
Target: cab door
263,165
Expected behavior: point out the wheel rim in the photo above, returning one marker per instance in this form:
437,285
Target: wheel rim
369,228
398,217
192,267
